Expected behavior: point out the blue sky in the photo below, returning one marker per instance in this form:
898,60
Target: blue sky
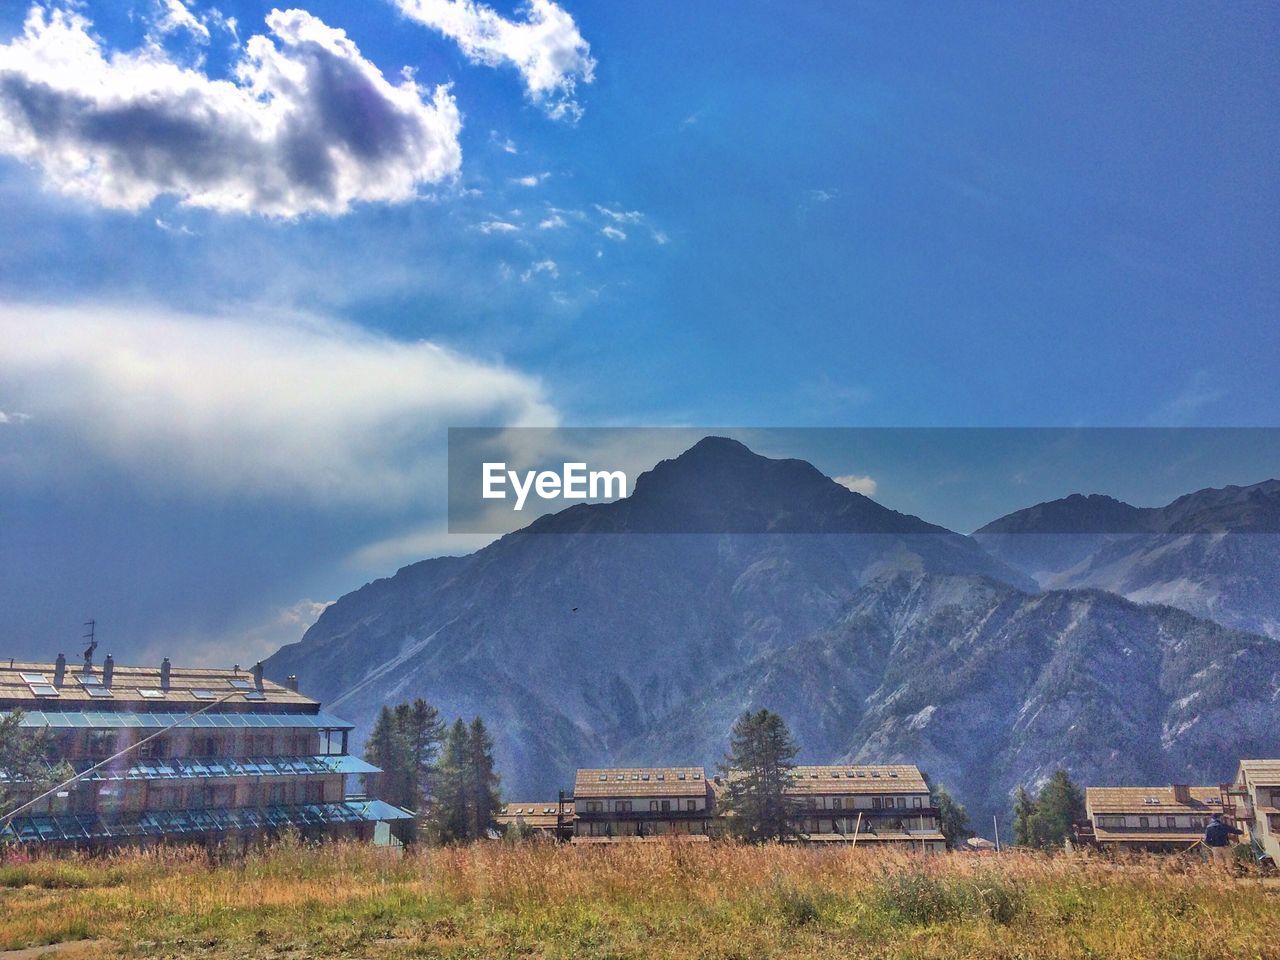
225,377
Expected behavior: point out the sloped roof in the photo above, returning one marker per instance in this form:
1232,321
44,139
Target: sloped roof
128,681
1262,773
641,782
540,813
1150,800
858,779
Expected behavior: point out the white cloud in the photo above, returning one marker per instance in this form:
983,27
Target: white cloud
496,226
293,407
823,196
660,238
505,144
14,418
429,541
613,233
864,485
545,47
180,229
553,222
174,16
532,180
548,267
620,216
246,644
308,125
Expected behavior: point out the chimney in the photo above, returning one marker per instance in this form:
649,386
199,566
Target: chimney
59,669
257,674
164,674
108,668
1181,793
292,682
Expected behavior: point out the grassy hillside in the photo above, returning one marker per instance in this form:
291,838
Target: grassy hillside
645,900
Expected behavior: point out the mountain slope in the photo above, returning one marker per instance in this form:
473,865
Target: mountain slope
1214,553
602,635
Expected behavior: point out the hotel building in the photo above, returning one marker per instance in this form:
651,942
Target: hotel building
201,755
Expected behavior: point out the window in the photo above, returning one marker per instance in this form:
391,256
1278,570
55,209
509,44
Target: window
666,806
150,693
255,695
622,806
917,802
876,803
836,803
1170,822
315,791
240,683
1144,822
154,749
594,806
653,806
902,803
693,805
200,693
45,690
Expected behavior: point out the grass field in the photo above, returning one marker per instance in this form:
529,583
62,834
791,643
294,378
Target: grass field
641,900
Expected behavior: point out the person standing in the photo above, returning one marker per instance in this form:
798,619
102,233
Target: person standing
1217,837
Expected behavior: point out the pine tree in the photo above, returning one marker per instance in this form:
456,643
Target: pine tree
450,810
1059,806
758,770
484,800
388,748
952,816
1024,811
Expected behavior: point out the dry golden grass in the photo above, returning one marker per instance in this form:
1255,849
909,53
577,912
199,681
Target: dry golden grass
647,900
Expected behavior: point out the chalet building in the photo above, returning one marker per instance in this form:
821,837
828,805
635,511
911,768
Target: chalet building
208,756
1148,818
552,819
638,802
1255,800
875,805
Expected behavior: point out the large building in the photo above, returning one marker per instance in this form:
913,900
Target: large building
1255,800
1148,818
866,805
201,755
637,802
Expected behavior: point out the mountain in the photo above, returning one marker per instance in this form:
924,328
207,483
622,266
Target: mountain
604,634
1214,553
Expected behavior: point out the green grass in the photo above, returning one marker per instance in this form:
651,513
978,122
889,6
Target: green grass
536,900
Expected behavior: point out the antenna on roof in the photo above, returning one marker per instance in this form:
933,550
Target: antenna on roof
93,644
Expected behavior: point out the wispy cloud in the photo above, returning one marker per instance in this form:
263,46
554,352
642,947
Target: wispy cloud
613,233
496,226
173,16
548,267
553,222
546,47
505,144
620,216
532,180
260,406
862,484
308,125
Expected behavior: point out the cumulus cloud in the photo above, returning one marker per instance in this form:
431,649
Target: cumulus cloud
864,485
306,125
532,180
545,47
299,408
553,222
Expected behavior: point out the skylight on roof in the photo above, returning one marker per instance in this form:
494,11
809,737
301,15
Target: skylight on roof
98,693
45,690
604,777
89,680
697,776
240,683
255,695
33,678
680,776
151,693
202,694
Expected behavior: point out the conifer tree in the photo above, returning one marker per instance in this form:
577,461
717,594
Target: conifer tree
758,770
953,818
450,813
484,802
1024,811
